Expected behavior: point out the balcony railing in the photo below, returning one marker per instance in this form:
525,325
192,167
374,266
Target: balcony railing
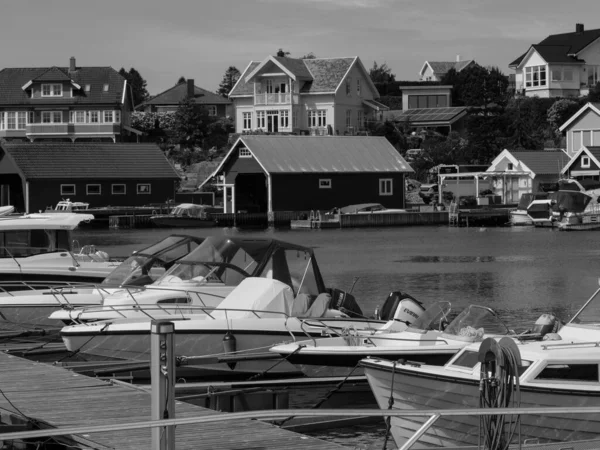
273,99
69,129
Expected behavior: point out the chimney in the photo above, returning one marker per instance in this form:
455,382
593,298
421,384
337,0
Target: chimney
190,88
457,58
578,28
72,66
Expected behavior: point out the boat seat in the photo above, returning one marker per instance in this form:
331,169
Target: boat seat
319,306
302,304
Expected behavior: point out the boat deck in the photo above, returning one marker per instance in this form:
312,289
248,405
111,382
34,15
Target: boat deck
54,397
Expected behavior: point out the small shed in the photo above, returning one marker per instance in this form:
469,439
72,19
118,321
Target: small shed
263,173
34,176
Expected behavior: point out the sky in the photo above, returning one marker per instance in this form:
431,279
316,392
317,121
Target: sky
200,39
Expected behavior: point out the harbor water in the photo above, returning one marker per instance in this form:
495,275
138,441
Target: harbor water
521,273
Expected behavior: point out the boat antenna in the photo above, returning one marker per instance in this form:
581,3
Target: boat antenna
354,281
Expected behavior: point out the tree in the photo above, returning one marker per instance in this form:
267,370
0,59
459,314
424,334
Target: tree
560,111
283,54
232,75
484,87
181,80
594,94
137,84
309,55
381,74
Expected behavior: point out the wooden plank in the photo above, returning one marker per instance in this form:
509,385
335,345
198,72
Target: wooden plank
57,397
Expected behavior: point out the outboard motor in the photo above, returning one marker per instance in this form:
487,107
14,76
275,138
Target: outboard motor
345,302
546,324
400,306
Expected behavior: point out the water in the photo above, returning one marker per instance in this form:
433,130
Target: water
519,272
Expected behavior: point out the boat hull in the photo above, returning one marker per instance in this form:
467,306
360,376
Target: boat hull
414,390
520,218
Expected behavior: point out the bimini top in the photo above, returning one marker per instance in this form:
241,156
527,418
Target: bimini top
65,221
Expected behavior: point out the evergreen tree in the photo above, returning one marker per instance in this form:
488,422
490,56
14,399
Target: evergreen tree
232,75
137,84
181,80
381,74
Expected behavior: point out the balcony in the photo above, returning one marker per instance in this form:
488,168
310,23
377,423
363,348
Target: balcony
72,130
279,98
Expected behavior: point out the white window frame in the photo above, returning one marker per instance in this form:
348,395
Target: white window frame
261,119
246,121
386,186
11,116
141,192
324,183
530,76
284,118
317,118
91,114
244,153
348,118
111,118
30,116
87,189
64,191
585,162
52,115
52,90
112,189
21,118
349,86
82,115
212,110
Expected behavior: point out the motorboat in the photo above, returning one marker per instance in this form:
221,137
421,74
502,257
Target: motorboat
233,338
39,247
6,210
188,215
559,370
31,307
429,339
206,276
520,215
578,208
539,212
67,206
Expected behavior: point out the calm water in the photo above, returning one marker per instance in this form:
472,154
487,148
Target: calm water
519,272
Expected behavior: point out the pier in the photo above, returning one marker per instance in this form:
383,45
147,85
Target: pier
39,396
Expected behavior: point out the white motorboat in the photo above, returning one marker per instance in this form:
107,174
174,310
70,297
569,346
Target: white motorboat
520,215
560,371
428,339
31,307
577,209
6,210
257,314
540,212
207,275
39,247
67,206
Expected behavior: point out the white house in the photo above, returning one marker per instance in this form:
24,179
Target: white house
316,96
583,128
435,70
561,65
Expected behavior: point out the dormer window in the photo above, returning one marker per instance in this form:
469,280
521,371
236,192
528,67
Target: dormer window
52,90
585,162
105,88
87,88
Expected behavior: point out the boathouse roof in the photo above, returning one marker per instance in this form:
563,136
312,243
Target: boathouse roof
546,162
89,160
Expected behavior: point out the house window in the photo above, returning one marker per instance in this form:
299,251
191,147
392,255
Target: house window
52,90
386,186
535,76
349,86
294,119
2,121
359,119
87,88
585,162
143,188
510,166
118,189
67,189
117,116
284,119
31,117
427,101
245,153
94,116
21,120
247,120
261,119
93,189
51,117
556,74
348,118
212,110
358,86
317,118
108,116
105,88
11,120
324,183
269,86
78,116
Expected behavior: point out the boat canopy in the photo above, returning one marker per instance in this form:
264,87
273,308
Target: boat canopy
227,260
190,210
571,201
148,264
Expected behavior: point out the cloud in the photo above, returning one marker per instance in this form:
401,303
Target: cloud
330,4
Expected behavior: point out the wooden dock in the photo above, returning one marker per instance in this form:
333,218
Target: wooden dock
42,396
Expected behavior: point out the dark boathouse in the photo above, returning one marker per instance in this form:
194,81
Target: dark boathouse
303,173
34,176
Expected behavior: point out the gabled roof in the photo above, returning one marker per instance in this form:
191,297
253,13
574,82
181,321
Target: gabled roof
543,162
174,95
574,43
90,160
319,75
588,106
321,154
12,81
593,152
442,67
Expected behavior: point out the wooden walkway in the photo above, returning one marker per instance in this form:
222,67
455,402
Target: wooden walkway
56,397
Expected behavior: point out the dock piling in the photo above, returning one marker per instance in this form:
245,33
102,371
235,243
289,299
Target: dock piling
162,375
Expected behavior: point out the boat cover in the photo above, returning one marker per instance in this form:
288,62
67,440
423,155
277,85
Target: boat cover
272,297
571,201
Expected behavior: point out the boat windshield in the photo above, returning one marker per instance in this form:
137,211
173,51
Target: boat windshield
147,265
589,314
432,316
189,211
24,243
230,260
475,321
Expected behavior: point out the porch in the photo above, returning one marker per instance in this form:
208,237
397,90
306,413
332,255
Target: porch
72,130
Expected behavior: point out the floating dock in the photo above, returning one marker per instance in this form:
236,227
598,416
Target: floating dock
39,396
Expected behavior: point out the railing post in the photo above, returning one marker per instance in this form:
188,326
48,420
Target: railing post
162,373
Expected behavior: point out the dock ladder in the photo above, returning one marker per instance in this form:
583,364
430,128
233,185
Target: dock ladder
453,214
